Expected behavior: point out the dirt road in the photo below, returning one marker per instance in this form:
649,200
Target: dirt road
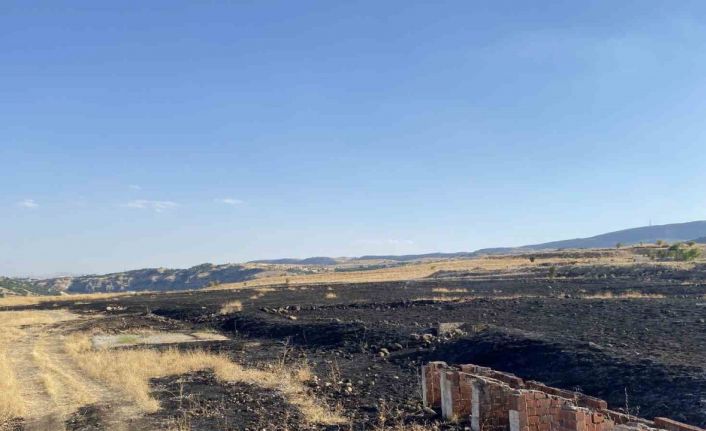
51,386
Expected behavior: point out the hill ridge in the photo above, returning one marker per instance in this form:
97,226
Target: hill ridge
199,276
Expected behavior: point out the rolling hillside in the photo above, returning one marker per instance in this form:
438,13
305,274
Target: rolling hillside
200,276
153,279
647,234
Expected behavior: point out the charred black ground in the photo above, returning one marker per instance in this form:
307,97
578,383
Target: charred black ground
647,354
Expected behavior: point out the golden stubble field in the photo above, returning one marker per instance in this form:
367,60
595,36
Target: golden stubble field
485,266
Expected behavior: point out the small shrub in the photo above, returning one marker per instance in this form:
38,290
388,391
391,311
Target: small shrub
678,252
552,271
232,307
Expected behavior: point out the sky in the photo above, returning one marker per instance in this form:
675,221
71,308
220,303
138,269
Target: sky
171,133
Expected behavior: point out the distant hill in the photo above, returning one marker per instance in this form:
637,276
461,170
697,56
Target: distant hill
157,279
319,260
648,234
162,279
332,261
21,286
411,257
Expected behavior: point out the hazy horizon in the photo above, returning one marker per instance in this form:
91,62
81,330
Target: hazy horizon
74,274
136,136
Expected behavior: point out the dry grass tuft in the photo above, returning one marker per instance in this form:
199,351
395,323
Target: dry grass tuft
265,289
231,307
261,291
447,290
451,298
437,298
303,373
130,371
330,295
625,295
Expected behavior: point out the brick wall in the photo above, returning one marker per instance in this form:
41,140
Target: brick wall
431,385
537,411
495,401
491,403
456,395
671,425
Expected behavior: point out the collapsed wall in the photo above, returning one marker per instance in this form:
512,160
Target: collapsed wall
493,400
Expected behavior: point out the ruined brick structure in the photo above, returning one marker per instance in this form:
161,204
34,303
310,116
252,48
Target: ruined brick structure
492,400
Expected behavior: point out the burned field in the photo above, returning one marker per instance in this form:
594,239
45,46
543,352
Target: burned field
634,337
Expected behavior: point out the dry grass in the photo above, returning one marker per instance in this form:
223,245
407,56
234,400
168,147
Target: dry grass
437,298
303,373
129,371
62,387
447,290
263,290
487,265
231,307
15,301
330,295
451,298
624,295
12,402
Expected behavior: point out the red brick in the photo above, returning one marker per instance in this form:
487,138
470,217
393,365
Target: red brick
672,425
431,379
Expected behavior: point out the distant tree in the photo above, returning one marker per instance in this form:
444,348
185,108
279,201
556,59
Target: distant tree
659,242
619,245
693,253
691,243
532,259
684,253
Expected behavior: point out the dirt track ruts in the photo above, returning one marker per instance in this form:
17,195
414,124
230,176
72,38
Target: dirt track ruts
53,386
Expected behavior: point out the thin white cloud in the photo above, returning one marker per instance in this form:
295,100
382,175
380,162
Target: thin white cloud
28,203
157,206
389,241
228,201
135,186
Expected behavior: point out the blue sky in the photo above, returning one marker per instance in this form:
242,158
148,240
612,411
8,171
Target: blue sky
172,133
